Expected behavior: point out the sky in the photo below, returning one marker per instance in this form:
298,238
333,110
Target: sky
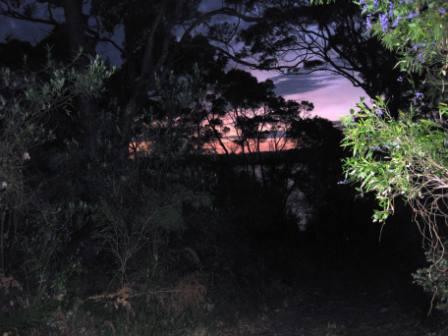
333,96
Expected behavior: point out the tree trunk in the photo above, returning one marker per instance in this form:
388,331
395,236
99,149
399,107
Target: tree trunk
81,46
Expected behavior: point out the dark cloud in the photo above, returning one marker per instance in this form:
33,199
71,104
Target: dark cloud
293,84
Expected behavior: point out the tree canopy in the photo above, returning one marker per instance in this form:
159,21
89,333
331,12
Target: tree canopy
404,156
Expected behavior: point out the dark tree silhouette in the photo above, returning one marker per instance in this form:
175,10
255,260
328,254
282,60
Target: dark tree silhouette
294,37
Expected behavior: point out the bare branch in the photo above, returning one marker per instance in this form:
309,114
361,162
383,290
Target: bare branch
209,15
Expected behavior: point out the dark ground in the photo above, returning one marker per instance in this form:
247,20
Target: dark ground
239,269
268,279
303,287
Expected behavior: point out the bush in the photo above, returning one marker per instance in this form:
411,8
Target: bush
33,228
434,279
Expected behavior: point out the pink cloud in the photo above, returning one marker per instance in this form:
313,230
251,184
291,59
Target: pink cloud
333,101
332,97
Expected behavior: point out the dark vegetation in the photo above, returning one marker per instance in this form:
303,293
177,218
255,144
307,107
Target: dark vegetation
98,237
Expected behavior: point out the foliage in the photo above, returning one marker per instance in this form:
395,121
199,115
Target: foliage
433,279
406,156
408,159
95,238
50,237
417,29
281,39
28,101
393,157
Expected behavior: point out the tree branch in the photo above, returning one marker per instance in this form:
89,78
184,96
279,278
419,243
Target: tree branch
222,11
8,11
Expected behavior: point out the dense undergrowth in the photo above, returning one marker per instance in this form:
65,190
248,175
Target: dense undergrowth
210,247
170,240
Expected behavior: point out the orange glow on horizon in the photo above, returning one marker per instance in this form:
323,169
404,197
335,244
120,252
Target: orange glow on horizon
142,148
251,146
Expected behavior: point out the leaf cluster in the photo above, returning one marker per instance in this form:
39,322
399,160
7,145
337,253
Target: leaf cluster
391,157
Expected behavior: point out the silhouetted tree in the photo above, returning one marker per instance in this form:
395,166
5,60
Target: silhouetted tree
293,37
